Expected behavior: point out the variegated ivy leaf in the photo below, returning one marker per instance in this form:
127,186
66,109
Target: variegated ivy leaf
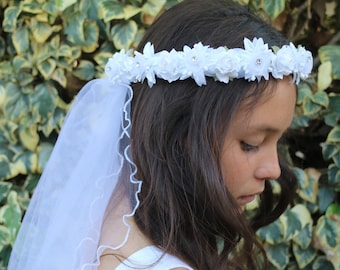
304,256
321,262
9,22
153,7
334,135
85,70
41,31
327,239
5,187
324,75
123,34
91,36
308,184
24,163
273,8
20,39
130,11
16,102
273,233
334,176
111,10
5,236
10,215
47,67
32,7
5,167
331,53
304,237
43,101
44,152
63,4
29,137
278,254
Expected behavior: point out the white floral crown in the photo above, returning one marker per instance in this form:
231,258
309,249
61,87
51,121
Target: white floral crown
253,62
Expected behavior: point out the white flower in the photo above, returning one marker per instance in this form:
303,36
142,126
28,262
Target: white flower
195,63
257,59
167,65
225,64
119,67
304,62
144,65
284,61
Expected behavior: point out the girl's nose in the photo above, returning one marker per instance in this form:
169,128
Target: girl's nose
269,167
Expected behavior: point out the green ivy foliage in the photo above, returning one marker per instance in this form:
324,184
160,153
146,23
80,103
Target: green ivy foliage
50,48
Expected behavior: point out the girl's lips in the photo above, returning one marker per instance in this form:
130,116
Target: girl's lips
246,199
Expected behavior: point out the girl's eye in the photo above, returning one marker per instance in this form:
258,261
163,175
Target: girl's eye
248,147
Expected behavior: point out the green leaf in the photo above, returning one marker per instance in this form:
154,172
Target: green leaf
59,76
301,177
5,236
325,197
20,40
324,75
334,176
4,190
321,98
293,224
9,22
304,237
64,4
10,214
24,163
22,61
2,47
273,8
44,152
29,137
41,31
326,234
303,91
5,168
153,7
330,149
304,256
272,233
123,34
85,70
309,192
331,53
91,34
74,28
111,10
31,7
278,255
321,262
47,67
43,101
333,212
309,106
334,135
16,104
31,182
130,11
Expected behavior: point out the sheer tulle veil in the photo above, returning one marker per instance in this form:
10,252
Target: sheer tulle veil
88,176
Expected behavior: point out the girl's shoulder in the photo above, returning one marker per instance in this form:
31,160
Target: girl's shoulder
153,258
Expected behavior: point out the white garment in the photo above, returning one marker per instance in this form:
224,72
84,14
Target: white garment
150,258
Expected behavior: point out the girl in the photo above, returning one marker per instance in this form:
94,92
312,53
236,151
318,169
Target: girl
165,187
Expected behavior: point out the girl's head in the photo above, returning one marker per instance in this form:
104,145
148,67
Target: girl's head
197,147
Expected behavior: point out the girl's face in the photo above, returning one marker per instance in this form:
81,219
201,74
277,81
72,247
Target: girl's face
249,154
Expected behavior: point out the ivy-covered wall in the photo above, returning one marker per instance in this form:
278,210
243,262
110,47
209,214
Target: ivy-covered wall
50,48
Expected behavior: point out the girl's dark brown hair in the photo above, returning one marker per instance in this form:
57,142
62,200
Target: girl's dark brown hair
177,134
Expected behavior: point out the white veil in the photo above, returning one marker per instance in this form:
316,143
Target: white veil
90,162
